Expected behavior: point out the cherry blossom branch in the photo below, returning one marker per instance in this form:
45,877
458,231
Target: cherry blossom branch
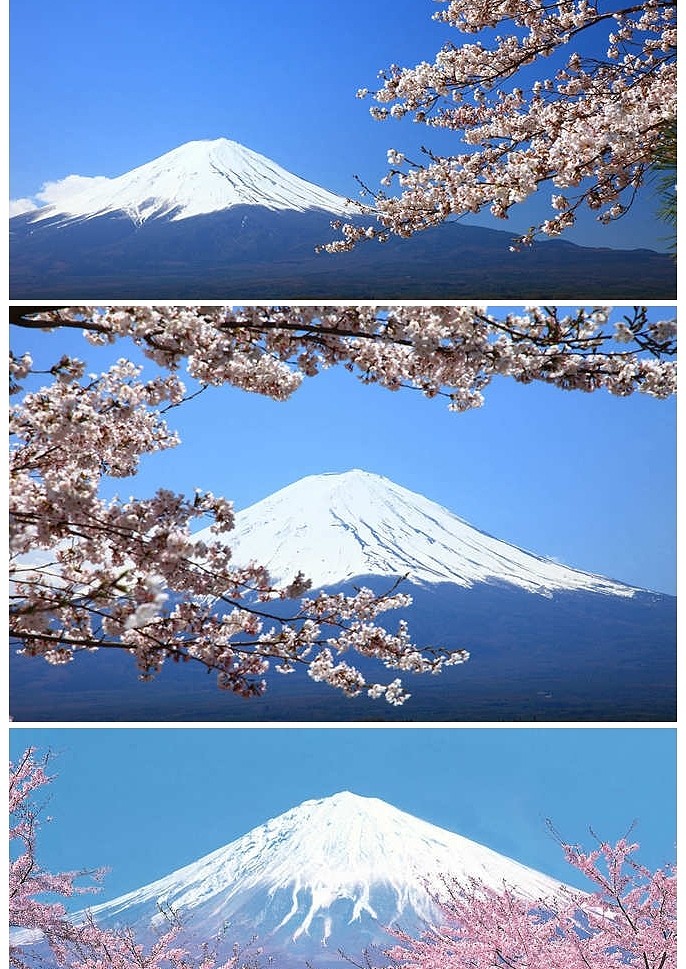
81,944
250,347
595,125
629,921
29,882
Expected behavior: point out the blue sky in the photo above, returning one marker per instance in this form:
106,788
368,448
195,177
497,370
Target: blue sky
588,479
98,89
147,801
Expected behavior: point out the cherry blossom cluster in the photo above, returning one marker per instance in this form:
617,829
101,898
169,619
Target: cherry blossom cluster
437,349
590,127
629,921
78,944
29,882
100,949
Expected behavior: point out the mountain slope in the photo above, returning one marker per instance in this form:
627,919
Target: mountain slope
333,527
328,873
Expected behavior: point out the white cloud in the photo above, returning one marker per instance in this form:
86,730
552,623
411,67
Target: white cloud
19,206
56,193
53,193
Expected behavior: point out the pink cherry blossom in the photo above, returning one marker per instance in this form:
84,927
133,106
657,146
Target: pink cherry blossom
628,921
79,944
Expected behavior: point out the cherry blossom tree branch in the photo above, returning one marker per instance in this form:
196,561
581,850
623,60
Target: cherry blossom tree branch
29,882
80,944
629,921
593,128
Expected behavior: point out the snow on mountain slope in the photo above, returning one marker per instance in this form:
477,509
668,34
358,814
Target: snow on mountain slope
321,868
197,178
334,527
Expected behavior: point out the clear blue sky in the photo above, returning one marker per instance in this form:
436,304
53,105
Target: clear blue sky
98,89
588,479
147,801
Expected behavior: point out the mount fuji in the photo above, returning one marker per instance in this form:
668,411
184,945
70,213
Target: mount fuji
209,217
547,641
198,178
335,527
329,874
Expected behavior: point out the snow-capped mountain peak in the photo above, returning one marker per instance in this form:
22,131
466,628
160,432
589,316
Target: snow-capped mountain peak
197,178
335,527
332,871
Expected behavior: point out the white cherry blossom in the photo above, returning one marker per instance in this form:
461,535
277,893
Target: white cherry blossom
591,125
